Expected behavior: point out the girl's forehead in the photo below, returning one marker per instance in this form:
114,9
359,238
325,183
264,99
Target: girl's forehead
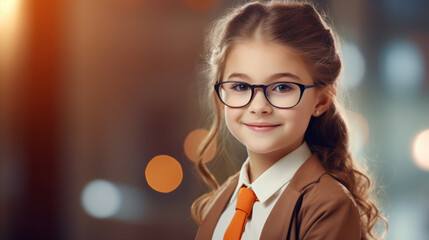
259,59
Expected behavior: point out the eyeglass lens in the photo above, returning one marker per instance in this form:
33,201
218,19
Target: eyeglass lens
239,94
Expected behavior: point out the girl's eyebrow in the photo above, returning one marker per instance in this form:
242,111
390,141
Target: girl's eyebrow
272,77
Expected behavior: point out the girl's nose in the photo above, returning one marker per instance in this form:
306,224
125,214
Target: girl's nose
259,104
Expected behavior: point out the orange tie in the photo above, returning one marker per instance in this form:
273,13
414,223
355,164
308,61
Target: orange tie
245,200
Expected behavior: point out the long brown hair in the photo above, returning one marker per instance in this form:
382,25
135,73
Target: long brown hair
300,26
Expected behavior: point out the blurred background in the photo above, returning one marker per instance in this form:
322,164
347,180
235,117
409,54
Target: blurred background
99,113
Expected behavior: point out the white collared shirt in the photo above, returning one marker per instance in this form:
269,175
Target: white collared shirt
267,187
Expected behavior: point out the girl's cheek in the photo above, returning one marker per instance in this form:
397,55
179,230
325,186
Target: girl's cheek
305,108
232,120
298,118
231,116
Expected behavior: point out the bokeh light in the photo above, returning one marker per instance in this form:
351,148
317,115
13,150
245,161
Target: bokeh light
192,143
359,131
354,65
11,41
163,173
201,5
402,66
421,150
101,199
407,220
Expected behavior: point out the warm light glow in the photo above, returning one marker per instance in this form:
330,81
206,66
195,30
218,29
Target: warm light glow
10,39
164,173
101,199
9,13
192,142
421,150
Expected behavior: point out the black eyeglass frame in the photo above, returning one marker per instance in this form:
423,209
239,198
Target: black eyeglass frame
302,88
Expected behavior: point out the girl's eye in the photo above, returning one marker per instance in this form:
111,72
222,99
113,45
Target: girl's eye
240,87
282,87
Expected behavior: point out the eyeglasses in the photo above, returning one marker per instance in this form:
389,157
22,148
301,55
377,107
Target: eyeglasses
283,95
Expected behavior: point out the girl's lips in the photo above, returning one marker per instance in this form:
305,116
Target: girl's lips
261,127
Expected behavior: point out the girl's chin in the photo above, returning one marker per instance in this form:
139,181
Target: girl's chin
260,150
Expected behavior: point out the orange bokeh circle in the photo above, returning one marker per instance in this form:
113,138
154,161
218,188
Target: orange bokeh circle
163,173
192,142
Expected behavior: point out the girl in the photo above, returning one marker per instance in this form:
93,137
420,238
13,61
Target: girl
272,70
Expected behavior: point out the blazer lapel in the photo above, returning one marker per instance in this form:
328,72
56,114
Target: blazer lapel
219,202
280,215
278,222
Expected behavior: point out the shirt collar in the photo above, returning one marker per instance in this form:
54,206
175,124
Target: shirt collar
274,177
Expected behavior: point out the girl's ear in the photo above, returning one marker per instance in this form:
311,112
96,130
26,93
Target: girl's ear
324,99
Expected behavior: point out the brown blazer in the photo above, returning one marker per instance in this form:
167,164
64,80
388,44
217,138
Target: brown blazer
313,206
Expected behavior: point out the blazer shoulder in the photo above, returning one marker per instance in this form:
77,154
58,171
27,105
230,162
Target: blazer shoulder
329,209
328,191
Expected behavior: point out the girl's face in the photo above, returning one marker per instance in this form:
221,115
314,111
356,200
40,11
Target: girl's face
260,127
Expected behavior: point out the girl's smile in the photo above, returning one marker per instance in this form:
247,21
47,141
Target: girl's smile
262,126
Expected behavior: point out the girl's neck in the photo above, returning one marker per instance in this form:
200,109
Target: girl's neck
260,162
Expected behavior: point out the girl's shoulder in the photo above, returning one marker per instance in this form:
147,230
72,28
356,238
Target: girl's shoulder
327,190
328,204
328,210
